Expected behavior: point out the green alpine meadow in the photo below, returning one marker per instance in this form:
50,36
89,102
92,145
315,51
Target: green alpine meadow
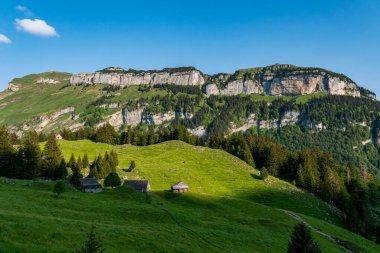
189,126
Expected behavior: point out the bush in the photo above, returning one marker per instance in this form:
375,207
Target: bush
264,173
112,180
59,188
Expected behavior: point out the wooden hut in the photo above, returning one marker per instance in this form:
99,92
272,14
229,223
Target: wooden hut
138,185
90,185
180,187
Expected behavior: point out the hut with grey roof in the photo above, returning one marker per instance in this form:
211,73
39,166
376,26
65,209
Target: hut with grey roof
180,187
90,185
138,185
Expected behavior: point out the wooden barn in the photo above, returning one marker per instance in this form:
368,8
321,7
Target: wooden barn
90,185
138,185
180,187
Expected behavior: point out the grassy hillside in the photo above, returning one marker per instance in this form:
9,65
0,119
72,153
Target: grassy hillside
32,220
207,171
228,209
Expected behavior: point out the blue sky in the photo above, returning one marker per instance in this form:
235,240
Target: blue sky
214,36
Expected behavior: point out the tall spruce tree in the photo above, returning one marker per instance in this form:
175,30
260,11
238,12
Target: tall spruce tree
52,156
85,161
7,154
79,163
31,155
61,171
72,161
301,241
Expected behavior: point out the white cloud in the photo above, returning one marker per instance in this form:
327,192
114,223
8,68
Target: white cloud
24,10
37,27
4,39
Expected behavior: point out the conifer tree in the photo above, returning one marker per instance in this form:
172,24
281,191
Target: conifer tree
79,163
85,161
72,161
132,166
61,171
7,152
31,155
107,134
302,241
52,157
93,244
76,176
151,136
113,161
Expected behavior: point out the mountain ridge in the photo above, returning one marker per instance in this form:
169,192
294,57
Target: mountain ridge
275,80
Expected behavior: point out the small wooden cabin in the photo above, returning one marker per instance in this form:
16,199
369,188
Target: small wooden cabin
90,185
180,187
58,137
138,185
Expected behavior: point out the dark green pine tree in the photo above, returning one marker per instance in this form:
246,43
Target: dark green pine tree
76,176
52,157
61,171
301,240
72,161
93,244
151,136
85,161
79,163
31,155
132,166
107,134
127,136
7,154
95,168
113,161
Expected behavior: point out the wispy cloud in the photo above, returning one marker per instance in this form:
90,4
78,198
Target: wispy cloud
24,10
36,27
4,39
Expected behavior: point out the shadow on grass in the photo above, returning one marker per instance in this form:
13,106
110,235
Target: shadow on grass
256,176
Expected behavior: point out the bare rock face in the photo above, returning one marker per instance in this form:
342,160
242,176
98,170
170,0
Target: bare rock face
120,77
278,80
47,81
199,131
41,122
12,87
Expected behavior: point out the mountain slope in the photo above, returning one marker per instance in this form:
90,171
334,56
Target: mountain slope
347,126
226,210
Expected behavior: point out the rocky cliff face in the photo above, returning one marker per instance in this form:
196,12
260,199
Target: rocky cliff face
122,78
275,80
280,80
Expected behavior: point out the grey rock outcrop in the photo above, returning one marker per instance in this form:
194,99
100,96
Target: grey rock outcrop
278,80
122,78
47,81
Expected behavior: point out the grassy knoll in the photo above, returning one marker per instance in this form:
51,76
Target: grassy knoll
207,171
